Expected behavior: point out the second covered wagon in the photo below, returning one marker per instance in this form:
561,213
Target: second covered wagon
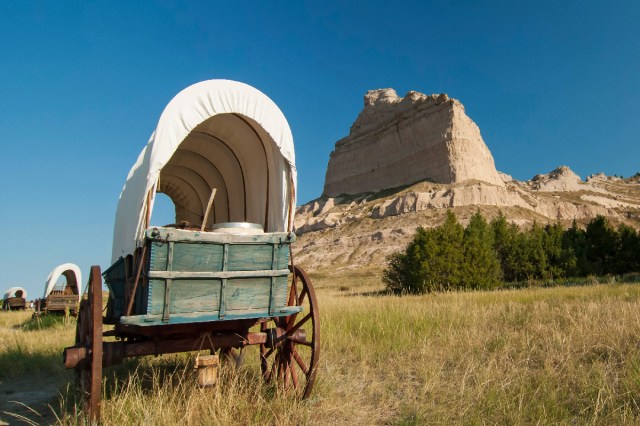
61,291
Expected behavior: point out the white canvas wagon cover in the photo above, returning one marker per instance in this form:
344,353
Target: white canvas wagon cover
216,134
12,293
72,275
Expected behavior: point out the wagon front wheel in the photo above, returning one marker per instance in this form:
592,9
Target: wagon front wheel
89,336
290,357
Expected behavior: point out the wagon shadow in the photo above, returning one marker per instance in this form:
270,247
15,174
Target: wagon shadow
138,375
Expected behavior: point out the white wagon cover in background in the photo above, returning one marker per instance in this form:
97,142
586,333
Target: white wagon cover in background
72,274
12,293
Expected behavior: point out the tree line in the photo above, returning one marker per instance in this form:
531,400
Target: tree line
485,254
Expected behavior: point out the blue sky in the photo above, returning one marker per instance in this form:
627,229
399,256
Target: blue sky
82,85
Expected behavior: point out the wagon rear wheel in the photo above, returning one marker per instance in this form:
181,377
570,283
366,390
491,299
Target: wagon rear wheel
89,336
292,358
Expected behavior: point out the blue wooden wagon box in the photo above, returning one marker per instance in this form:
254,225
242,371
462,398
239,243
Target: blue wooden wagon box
195,276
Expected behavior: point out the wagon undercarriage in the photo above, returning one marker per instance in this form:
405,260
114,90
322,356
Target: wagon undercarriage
281,341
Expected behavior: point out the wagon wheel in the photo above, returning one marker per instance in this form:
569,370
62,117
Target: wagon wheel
89,335
293,358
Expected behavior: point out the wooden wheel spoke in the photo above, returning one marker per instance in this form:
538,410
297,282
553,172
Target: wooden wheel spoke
298,325
301,342
293,293
268,354
287,373
300,362
294,375
303,293
280,368
291,319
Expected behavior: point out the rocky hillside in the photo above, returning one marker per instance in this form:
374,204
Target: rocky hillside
432,157
360,231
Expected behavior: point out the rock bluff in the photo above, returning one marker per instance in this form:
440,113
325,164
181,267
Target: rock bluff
399,141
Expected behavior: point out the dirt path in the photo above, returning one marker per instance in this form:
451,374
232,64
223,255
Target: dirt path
30,400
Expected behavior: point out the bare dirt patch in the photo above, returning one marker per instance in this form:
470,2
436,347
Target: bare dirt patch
30,400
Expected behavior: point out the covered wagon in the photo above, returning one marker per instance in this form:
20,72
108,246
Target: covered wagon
221,277
61,291
14,298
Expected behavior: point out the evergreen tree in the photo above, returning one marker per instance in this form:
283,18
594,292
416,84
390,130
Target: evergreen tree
481,266
627,257
601,240
561,261
403,273
574,242
536,251
505,242
432,261
442,265
394,276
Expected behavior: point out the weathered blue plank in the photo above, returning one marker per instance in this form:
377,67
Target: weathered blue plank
171,234
208,257
187,257
150,320
186,296
203,295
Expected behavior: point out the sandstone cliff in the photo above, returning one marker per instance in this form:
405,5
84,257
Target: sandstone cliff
398,141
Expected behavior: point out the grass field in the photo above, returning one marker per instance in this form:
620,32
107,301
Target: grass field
563,355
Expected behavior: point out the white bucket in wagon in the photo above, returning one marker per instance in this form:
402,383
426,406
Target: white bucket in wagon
243,228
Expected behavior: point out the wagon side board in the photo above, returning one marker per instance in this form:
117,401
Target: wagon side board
61,303
198,276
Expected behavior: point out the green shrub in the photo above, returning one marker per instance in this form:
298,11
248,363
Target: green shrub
479,256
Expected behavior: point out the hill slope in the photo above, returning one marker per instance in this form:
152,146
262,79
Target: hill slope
357,232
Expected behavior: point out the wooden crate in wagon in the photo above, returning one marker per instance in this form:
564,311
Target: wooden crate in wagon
222,276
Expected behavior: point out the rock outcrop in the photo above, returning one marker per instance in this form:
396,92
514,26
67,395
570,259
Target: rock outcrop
562,179
399,141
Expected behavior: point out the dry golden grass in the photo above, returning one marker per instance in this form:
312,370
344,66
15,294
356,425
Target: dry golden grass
566,355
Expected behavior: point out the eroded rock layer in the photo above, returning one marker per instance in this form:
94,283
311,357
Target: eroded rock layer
399,141
353,232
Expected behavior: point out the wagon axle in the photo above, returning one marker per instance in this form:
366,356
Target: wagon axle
114,352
